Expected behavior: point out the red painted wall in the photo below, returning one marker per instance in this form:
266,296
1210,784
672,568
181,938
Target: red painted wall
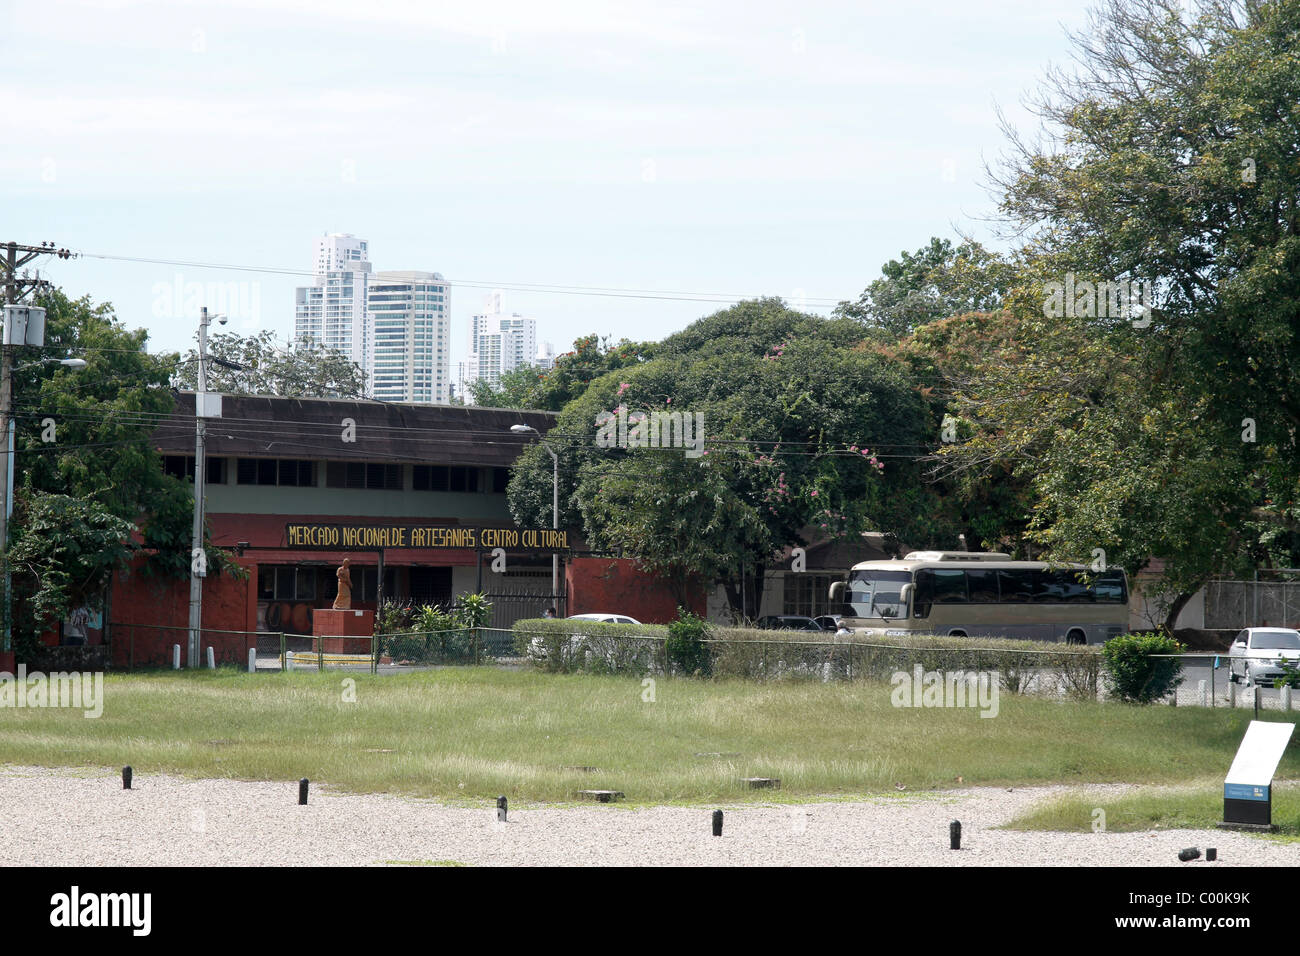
615,586
164,605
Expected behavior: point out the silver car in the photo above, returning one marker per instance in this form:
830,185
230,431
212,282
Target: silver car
1258,653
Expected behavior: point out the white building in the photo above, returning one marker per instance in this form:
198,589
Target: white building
332,310
407,314
498,342
395,325
545,356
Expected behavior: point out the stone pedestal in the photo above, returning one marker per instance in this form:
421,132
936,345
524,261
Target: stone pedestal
343,632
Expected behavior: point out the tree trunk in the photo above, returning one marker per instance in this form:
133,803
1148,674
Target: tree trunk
1175,609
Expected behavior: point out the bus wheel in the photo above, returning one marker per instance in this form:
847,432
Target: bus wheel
1076,636
956,633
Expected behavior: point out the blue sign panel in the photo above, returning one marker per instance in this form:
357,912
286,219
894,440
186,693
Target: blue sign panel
1244,791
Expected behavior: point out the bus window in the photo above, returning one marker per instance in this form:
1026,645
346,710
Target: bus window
941,586
876,593
982,586
1110,587
1015,586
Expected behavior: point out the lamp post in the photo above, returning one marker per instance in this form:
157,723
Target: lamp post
555,502
6,415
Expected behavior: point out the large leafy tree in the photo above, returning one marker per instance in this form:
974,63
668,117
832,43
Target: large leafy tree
551,389
258,365
808,435
90,487
937,281
1172,160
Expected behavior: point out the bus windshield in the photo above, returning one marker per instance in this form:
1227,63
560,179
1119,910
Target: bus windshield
876,593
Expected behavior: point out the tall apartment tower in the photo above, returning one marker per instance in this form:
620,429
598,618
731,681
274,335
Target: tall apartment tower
499,342
332,310
409,323
395,325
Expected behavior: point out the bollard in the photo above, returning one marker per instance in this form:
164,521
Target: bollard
176,657
302,792
954,835
717,823
1286,696
1191,853
126,778
1211,854
252,660
288,660
1202,689
212,660
501,809
1232,693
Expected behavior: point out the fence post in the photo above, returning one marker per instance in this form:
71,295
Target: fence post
252,660
850,660
476,647
283,659
320,653
1286,696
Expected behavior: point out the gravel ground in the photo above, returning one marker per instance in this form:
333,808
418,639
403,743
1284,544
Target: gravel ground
84,818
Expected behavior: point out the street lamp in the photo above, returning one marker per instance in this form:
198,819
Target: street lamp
7,415
555,503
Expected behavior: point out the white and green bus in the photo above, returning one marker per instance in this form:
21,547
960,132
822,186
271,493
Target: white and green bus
982,594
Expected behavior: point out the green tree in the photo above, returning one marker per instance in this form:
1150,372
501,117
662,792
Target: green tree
89,483
935,282
1165,427
257,365
552,389
793,410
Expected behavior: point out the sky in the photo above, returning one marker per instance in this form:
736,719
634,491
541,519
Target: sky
709,151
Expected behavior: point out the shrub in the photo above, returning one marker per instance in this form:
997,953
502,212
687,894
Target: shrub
685,647
1135,674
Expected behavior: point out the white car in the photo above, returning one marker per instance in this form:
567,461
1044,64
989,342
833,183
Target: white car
604,618
1257,654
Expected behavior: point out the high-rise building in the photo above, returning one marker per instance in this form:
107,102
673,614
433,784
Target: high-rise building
395,325
498,342
332,310
408,318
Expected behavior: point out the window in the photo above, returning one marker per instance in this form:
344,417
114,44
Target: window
285,583
445,478
982,586
806,594
1016,586
941,586
182,466
362,474
501,478
275,471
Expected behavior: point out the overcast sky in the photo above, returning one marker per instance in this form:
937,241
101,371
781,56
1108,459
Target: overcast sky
734,148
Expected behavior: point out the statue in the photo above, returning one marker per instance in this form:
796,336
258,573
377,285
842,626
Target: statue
343,602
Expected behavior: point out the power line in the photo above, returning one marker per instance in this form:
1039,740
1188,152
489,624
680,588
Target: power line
603,291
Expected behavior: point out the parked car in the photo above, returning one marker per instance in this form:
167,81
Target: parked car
1257,654
604,618
829,622
788,622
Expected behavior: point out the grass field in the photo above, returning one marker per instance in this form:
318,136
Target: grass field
1154,808
477,732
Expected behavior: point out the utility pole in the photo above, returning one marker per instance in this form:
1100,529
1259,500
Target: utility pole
16,288
198,558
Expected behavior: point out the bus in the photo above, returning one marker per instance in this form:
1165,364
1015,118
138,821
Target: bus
982,594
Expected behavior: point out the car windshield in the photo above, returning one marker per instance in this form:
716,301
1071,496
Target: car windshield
1275,640
876,593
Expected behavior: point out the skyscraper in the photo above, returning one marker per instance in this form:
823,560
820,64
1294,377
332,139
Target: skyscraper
498,342
408,318
395,325
332,310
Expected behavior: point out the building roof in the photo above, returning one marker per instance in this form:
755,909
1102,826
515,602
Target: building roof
265,426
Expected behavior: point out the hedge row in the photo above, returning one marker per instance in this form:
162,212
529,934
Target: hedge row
753,654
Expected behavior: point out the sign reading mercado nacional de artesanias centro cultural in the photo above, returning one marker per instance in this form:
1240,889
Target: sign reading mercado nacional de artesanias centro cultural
372,537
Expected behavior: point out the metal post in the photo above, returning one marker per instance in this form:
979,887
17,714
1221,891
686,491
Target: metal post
198,570
555,526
